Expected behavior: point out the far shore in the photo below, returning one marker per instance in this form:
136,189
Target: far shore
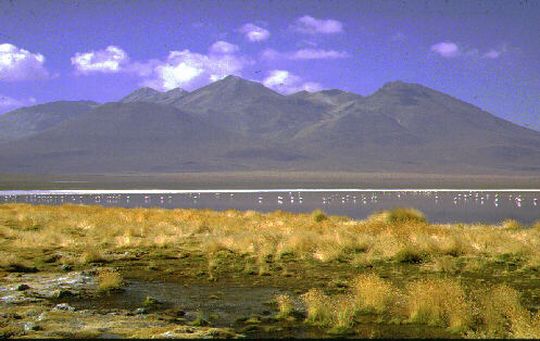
282,190
267,180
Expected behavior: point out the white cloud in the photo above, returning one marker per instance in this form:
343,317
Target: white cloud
189,70
318,54
446,49
495,53
223,47
449,49
17,64
254,33
285,82
304,54
183,68
310,25
109,60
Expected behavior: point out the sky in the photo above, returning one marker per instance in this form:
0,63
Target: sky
483,52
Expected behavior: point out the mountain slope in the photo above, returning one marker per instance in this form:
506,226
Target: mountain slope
153,96
236,124
413,127
28,121
250,108
122,136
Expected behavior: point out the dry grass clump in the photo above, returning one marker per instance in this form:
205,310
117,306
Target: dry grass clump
373,294
493,312
438,302
336,312
444,264
92,255
403,216
14,263
319,216
318,308
109,280
411,255
343,313
285,306
502,315
399,234
511,224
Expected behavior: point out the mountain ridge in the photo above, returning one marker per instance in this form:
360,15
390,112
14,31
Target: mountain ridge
238,124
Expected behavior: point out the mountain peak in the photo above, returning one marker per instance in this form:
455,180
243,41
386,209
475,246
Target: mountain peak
145,90
147,94
143,94
229,78
401,86
236,80
176,91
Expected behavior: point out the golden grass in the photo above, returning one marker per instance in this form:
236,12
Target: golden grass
492,312
400,235
318,307
93,234
502,314
109,280
373,294
438,302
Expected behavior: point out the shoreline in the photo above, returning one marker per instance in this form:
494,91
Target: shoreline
271,190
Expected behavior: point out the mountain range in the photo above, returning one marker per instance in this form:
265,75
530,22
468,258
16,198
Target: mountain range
237,124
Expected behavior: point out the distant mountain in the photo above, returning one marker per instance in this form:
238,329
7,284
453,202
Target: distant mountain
250,108
153,96
123,136
236,124
28,121
420,128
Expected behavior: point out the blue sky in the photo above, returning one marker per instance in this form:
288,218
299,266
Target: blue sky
484,52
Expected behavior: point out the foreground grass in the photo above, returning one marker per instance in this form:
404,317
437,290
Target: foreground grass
393,268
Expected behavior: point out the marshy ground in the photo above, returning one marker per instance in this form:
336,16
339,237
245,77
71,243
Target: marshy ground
89,271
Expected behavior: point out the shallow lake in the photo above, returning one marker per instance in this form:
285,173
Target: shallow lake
443,206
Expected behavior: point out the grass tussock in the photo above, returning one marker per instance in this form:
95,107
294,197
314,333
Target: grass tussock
438,302
402,235
318,308
319,216
109,280
285,306
502,314
374,294
334,312
92,256
403,216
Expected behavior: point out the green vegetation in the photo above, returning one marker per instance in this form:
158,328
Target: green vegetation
391,275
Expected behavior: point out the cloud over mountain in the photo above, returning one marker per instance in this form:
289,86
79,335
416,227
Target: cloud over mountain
17,64
108,60
448,49
187,69
285,82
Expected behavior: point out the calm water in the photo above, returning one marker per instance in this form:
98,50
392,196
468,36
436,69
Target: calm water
439,206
